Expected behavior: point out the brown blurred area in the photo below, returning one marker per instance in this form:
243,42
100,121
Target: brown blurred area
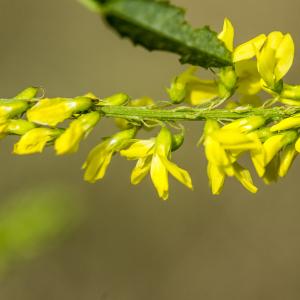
131,245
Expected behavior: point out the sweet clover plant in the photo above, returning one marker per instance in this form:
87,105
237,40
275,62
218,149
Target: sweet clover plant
247,107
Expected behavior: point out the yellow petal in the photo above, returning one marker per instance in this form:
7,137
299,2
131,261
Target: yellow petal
249,49
244,177
248,77
284,56
97,163
180,174
288,123
35,140
12,108
141,169
286,159
245,124
297,145
266,65
28,94
258,159
215,153
235,140
139,149
227,34
159,176
163,142
201,92
275,143
271,173
216,178
50,112
69,141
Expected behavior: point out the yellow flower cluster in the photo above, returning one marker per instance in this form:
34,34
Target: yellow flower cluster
271,149
264,129
274,55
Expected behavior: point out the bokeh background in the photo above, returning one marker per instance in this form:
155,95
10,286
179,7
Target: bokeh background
129,244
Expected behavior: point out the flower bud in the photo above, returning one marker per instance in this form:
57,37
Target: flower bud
297,145
290,92
68,141
177,91
27,94
177,141
246,124
99,158
288,123
286,159
164,142
19,127
53,111
114,100
11,108
35,140
276,142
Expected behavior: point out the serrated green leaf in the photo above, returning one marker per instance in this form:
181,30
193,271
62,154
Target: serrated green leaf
158,25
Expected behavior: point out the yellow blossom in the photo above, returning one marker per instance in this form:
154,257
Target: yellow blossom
188,87
99,158
275,58
249,49
114,100
68,141
287,157
53,111
220,148
153,156
288,123
276,142
35,140
227,34
11,108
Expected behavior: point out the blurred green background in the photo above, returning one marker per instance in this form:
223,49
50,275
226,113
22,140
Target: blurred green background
131,245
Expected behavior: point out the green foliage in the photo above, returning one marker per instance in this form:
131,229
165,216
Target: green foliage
158,25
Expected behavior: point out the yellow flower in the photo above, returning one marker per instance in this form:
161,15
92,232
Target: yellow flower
244,51
153,156
288,123
287,157
248,77
18,127
99,158
114,100
68,141
249,49
35,140
275,58
222,148
28,94
276,142
11,108
227,34
53,111
188,87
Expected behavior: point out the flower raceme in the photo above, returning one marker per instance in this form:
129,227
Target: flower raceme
261,122
153,157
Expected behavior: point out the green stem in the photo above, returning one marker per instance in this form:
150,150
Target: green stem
193,114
